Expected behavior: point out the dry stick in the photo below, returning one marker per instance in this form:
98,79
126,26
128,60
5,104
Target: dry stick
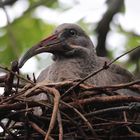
77,125
106,66
106,99
125,137
17,106
17,75
123,55
16,95
106,124
10,79
56,104
34,78
86,87
11,97
95,100
107,110
38,129
60,125
83,118
117,86
129,128
55,109
56,95
9,115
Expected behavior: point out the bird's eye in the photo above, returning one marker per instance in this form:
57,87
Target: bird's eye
72,32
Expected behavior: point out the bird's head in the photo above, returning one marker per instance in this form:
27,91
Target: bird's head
68,40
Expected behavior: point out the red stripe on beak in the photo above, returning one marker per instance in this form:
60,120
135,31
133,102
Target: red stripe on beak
46,40
48,44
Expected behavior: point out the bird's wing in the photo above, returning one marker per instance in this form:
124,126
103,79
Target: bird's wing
42,96
119,73
43,75
125,77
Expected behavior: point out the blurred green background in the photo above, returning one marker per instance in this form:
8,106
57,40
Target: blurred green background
23,23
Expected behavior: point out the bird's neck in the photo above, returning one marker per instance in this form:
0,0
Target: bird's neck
83,60
77,54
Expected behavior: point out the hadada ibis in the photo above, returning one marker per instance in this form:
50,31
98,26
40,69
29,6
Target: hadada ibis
74,58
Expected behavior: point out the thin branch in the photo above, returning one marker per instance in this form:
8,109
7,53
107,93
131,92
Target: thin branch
17,75
117,86
109,110
129,128
60,125
56,96
37,128
82,117
10,79
105,99
78,127
123,55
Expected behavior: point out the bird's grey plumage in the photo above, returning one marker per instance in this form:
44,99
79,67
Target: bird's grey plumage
72,69
75,58
83,64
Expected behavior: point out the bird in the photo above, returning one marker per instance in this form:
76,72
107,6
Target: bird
74,57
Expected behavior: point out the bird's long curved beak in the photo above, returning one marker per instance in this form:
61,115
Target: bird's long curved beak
49,44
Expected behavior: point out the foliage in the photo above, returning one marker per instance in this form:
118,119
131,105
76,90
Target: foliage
26,30
21,34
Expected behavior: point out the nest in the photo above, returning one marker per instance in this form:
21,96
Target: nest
73,110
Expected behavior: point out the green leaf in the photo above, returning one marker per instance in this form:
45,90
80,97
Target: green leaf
22,34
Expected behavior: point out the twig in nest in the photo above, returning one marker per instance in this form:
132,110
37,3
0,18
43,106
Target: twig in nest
117,86
105,99
55,109
17,75
11,114
105,66
123,55
17,106
37,128
108,110
34,78
10,79
129,129
77,125
82,117
56,95
60,125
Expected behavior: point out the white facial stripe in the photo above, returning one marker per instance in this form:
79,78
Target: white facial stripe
75,46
